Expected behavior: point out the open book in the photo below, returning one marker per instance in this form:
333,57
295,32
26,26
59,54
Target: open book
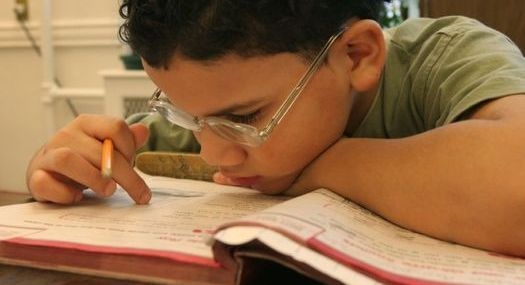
196,232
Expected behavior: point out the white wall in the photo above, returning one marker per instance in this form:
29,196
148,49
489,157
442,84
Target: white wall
85,37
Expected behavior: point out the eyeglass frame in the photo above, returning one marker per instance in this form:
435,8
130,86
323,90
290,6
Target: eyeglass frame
262,135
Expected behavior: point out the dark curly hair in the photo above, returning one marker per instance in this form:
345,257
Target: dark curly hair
206,30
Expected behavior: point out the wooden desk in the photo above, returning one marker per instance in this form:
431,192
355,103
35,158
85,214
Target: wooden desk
24,275
10,274
9,198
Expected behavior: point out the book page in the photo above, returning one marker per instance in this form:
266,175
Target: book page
359,239
320,263
175,224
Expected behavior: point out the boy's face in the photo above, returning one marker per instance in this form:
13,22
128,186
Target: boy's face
250,91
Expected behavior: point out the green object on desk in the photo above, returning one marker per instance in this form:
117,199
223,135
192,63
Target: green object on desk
175,164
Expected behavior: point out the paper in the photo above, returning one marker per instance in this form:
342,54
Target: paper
351,235
243,234
176,223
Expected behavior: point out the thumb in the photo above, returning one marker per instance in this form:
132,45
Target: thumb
140,134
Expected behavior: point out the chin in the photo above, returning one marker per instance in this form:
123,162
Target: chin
269,191
273,187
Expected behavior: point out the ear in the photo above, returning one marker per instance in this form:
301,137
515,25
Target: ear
365,51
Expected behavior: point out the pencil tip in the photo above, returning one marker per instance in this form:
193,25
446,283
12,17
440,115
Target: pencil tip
106,173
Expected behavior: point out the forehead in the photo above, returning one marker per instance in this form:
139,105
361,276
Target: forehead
230,80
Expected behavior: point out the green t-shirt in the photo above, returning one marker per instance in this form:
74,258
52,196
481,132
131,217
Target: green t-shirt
164,136
436,70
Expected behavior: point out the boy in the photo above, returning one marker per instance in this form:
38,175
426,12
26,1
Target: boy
422,124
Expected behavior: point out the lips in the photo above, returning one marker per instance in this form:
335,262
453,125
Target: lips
243,181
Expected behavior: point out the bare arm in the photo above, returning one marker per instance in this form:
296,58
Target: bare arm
464,182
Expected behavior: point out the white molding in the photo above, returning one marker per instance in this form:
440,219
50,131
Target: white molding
76,93
413,9
122,84
66,33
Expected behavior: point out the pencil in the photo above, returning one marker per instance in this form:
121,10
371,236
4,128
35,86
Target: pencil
107,158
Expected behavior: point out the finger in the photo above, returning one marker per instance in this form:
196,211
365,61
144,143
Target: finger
140,133
81,161
130,180
103,127
84,167
76,167
46,188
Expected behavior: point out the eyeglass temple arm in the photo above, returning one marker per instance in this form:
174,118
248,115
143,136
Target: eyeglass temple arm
287,104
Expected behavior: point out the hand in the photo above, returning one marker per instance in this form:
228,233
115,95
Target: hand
70,161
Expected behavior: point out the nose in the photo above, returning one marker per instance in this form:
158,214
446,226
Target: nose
218,151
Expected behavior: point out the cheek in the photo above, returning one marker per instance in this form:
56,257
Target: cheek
324,118
302,137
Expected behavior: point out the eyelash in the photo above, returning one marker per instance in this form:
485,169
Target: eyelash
248,119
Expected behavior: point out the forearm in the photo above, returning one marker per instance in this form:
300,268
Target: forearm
463,182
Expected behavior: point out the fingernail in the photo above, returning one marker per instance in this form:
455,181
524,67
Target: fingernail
110,189
145,197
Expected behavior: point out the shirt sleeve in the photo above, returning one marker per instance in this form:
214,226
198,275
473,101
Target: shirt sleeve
164,136
436,71
469,63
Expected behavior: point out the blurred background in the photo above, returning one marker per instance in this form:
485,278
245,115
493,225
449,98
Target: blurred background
58,59
61,58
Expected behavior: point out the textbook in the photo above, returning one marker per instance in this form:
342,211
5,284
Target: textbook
196,232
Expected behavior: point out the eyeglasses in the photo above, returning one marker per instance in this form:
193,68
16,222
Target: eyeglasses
238,132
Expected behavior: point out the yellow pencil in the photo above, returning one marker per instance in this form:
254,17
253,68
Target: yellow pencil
107,158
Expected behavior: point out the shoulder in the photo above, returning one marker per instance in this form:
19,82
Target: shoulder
414,33
444,67
164,136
